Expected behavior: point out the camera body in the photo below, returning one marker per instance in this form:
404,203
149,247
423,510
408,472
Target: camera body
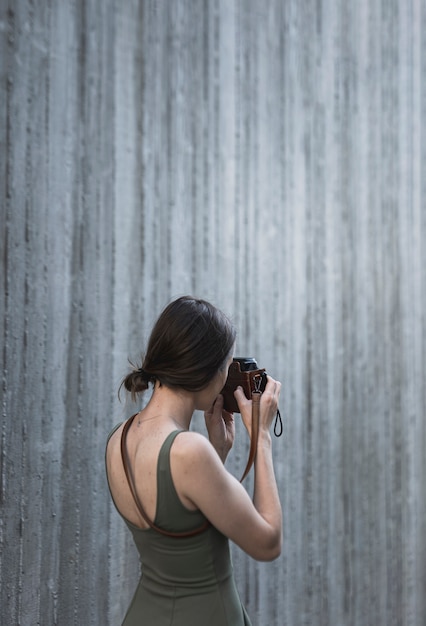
243,372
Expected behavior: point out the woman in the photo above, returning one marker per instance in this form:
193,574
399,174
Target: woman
179,479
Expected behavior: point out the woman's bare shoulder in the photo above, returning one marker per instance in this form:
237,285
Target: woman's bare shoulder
191,443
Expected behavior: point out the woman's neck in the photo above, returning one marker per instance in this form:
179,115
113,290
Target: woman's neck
177,406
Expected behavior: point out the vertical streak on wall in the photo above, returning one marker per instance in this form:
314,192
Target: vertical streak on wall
132,229
57,314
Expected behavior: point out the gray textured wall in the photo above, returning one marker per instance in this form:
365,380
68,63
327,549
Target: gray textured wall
269,156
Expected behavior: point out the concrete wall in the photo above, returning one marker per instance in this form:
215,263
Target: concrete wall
269,156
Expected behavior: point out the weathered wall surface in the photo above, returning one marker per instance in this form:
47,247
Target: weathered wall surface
270,157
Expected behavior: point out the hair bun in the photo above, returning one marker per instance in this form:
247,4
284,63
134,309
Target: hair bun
137,381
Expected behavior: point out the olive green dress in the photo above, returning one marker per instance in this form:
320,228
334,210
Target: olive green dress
185,581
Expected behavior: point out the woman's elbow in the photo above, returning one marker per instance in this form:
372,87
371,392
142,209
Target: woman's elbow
274,552
271,549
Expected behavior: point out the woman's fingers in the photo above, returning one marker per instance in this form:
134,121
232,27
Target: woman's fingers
268,403
240,397
216,408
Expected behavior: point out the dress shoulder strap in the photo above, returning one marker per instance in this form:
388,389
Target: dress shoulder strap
130,480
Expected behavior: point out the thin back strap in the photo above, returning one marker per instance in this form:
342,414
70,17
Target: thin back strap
130,480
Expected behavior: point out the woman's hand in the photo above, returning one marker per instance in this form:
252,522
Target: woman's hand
268,405
220,427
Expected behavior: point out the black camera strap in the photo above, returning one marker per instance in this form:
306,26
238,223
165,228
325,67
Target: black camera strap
278,425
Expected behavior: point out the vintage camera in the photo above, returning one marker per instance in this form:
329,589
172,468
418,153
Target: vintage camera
243,372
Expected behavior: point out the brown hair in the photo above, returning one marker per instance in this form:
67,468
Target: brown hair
189,344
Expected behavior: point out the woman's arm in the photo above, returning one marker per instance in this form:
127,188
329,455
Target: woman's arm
265,496
199,476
